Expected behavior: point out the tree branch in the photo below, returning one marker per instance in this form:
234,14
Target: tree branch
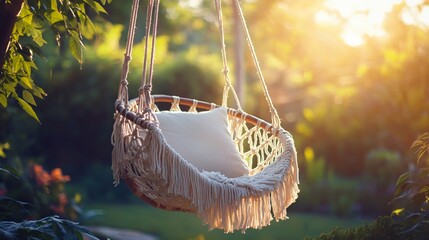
8,15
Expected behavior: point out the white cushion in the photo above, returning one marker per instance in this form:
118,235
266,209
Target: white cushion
203,139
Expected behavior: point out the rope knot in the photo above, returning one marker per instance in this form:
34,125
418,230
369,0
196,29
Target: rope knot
148,88
127,58
124,82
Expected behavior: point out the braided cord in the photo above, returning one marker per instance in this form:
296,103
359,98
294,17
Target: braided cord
274,115
123,85
228,85
146,81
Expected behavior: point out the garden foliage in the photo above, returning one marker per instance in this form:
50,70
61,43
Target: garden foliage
69,22
412,192
45,192
410,219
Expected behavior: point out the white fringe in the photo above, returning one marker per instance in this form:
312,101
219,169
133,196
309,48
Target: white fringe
226,203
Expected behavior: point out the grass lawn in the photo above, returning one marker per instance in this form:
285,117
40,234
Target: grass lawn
175,225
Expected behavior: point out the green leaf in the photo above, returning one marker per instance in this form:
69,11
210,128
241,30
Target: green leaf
26,82
2,148
96,6
5,145
402,179
75,46
12,209
419,225
86,26
10,87
26,68
398,211
18,62
9,172
100,8
404,195
421,146
27,108
54,4
3,100
39,40
53,16
28,97
39,92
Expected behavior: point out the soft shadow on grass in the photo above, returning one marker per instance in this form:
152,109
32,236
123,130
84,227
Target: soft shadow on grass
175,225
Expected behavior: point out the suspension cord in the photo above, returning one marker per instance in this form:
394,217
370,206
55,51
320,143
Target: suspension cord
274,115
123,85
146,82
228,85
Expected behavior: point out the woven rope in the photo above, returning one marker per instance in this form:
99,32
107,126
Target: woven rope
147,76
123,85
275,119
228,85
157,174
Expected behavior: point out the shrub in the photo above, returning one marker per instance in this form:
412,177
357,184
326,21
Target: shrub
410,219
412,192
17,219
382,228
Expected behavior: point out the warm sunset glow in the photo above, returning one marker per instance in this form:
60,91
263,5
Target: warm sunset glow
415,16
366,17
190,3
363,17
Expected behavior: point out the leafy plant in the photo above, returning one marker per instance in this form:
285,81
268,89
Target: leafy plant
13,209
412,192
49,192
382,228
44,191
422,147
49,228
68,20
4,146
14,223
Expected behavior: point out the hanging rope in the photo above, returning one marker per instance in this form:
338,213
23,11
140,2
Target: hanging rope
149,12
158,174
274,115
123,86
146,82
228,85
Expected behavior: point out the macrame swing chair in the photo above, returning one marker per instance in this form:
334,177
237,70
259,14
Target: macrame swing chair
233,170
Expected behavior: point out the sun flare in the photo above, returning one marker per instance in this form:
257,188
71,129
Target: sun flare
366,17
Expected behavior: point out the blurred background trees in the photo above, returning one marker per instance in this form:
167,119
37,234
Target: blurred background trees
355,98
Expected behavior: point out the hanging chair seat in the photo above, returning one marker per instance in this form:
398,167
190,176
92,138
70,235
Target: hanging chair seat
233,170
159,175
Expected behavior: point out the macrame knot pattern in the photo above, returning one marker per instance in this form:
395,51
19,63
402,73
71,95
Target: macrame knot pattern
162,177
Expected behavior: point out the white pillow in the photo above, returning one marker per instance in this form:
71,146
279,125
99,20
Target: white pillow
203,139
